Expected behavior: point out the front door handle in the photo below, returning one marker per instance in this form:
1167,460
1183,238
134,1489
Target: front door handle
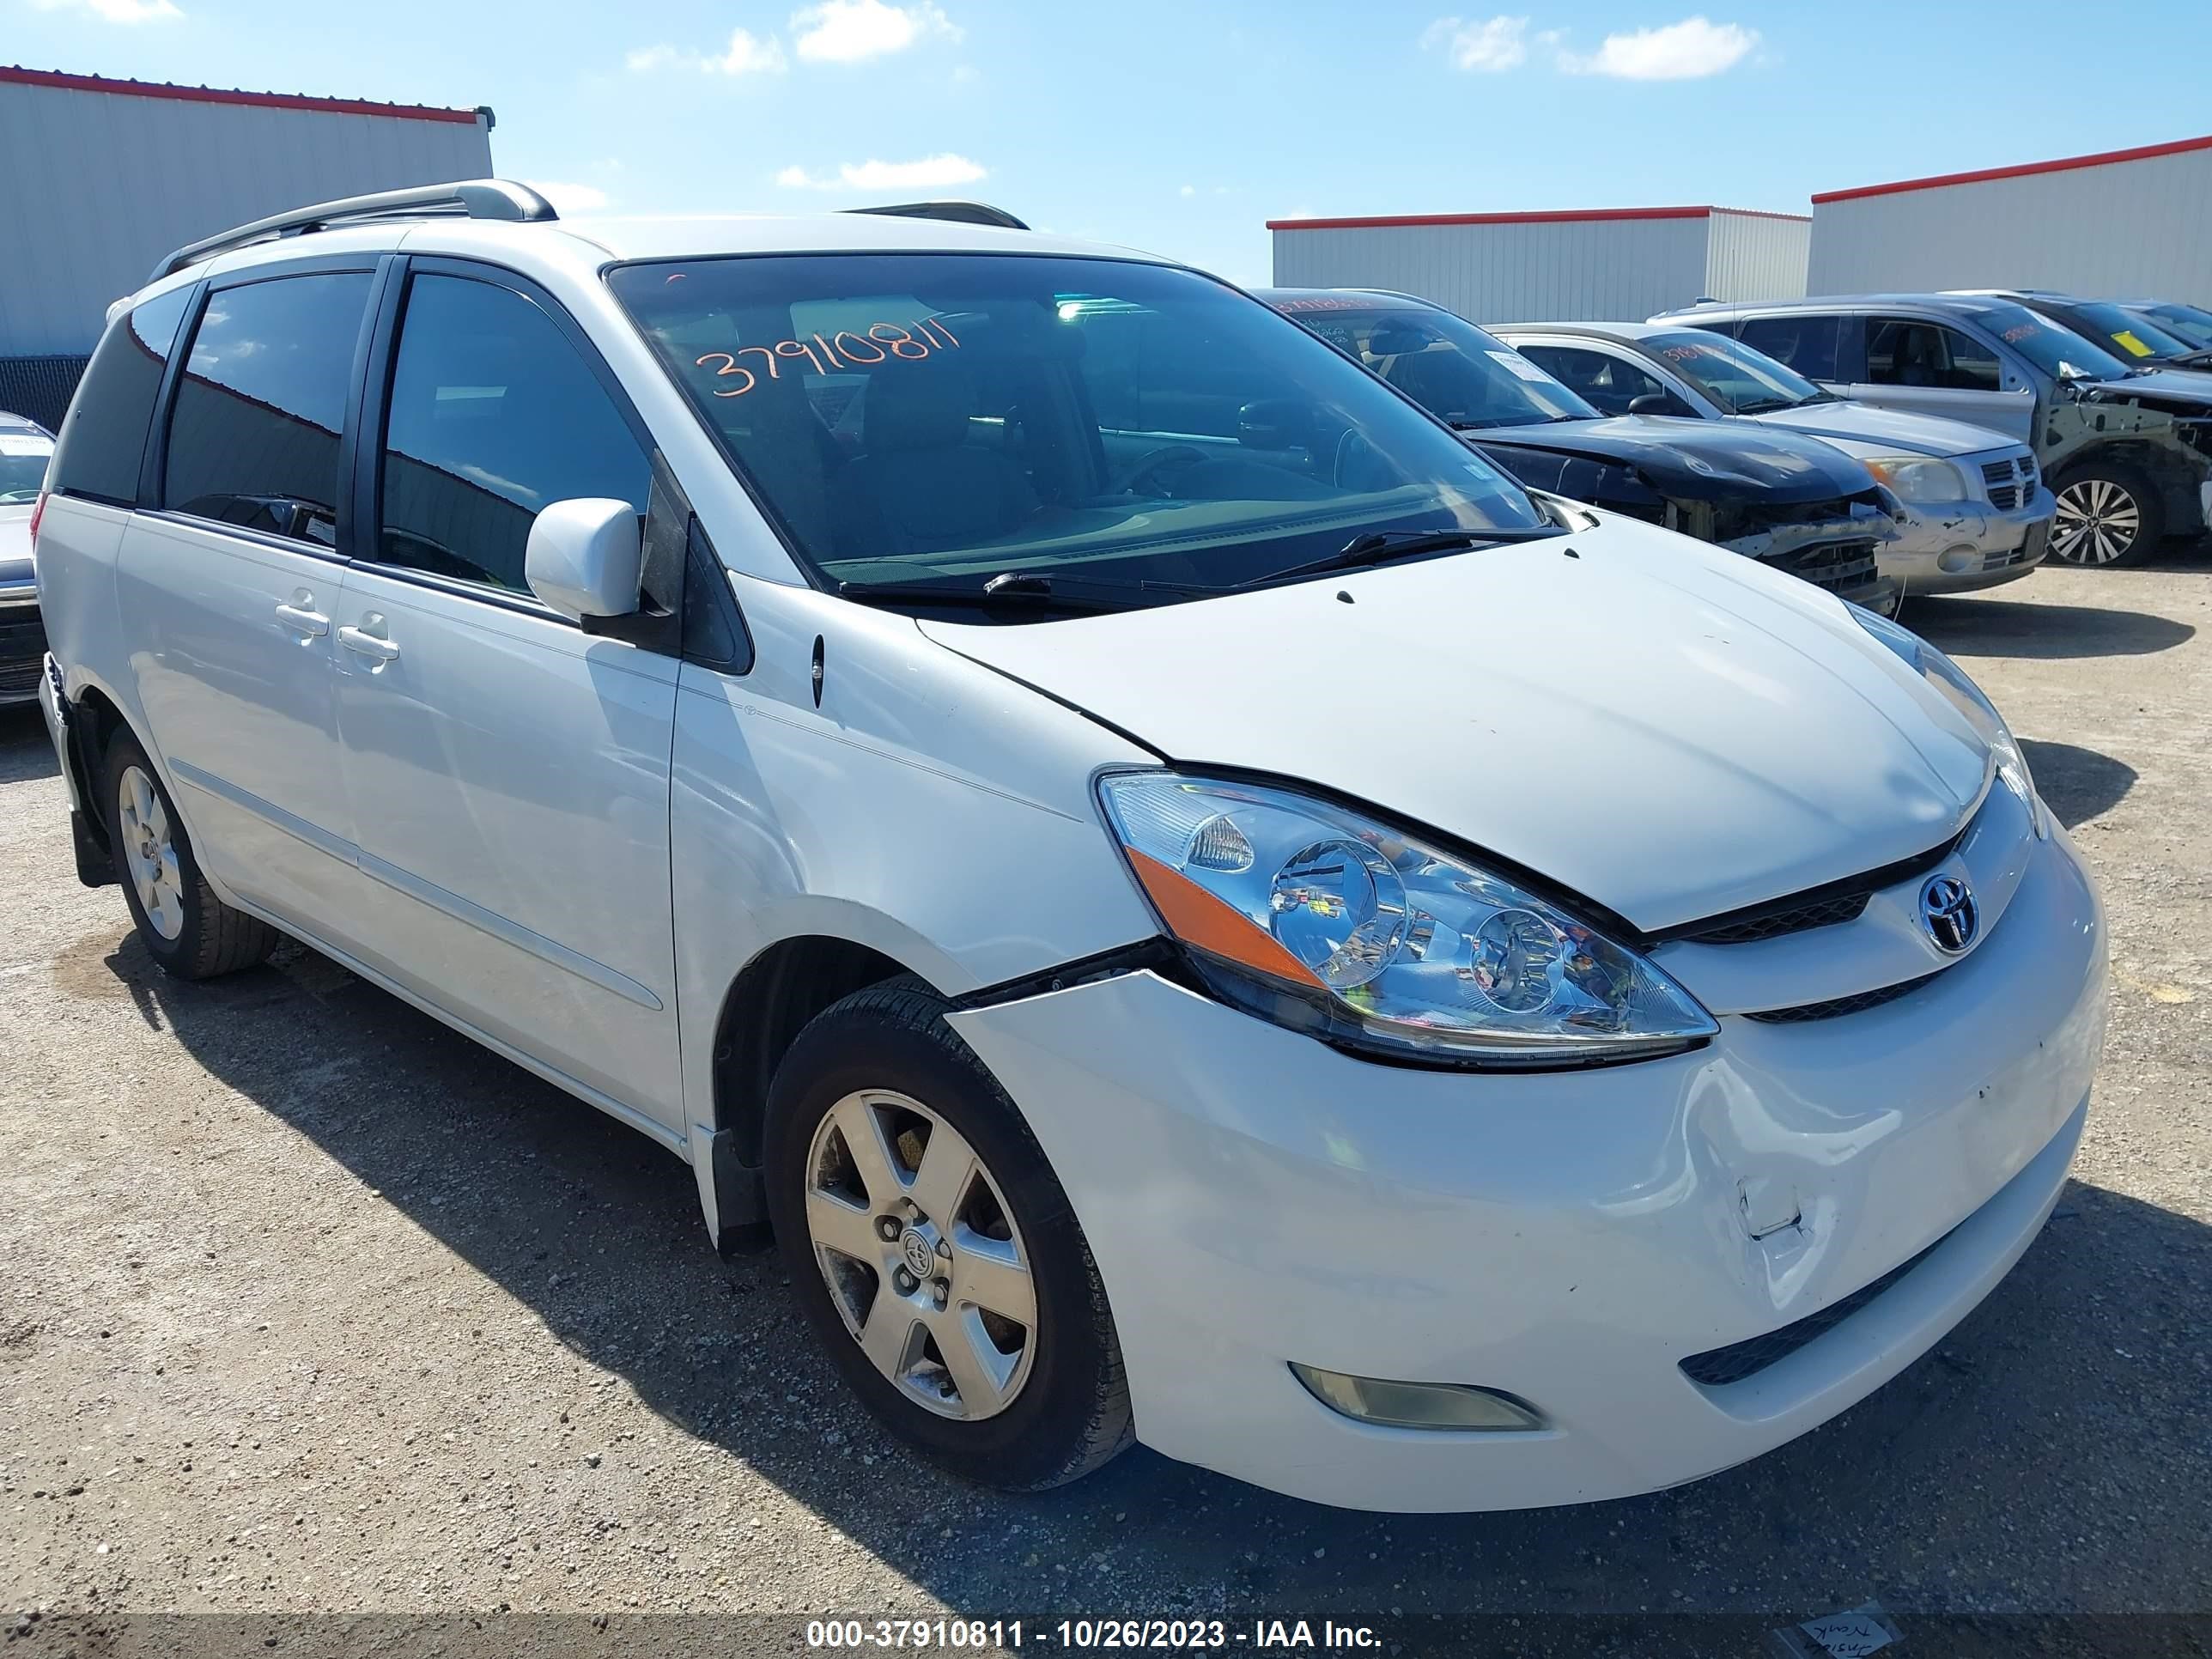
301,620
367,645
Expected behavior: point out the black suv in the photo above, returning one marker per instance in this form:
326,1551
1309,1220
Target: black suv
1790,502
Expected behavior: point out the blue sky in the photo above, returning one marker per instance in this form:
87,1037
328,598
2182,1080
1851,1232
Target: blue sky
1183,125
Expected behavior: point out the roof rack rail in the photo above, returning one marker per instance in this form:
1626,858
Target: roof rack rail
473,198
964,213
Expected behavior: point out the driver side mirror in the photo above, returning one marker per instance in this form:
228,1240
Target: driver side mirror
1651,403
585,557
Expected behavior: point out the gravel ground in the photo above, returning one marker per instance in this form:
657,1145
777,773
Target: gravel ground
309,1307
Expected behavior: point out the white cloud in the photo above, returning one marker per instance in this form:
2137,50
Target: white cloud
118,11
747,54
847,31
1299,213
1686,50
931,173
1187,189
569,197
1489,46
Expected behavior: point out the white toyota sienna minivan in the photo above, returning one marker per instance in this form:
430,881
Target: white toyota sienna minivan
1195,908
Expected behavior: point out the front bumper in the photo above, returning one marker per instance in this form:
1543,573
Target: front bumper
1957,548
1252,1198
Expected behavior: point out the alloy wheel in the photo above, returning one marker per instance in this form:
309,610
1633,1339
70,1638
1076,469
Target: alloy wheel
2098,521
151,852
921,1254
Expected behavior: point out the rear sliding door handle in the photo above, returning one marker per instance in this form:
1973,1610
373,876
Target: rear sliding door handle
301,620
367,645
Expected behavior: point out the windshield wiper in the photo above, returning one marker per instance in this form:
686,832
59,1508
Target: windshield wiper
1007,590
2194,359
1768,405
1019,590
1381,546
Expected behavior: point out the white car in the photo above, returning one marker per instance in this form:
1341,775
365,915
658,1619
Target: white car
1197,908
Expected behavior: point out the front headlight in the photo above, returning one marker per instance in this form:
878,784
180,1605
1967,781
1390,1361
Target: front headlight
1947,677
1917,479
1325,921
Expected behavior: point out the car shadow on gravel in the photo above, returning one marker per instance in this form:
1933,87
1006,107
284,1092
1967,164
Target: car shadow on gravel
2054,1453
2077,784
26,752
1980,627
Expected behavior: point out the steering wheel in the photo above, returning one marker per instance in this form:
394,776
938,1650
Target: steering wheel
1157,461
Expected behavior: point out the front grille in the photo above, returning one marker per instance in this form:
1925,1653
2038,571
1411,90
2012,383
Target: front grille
1839,566
22,648
2009,482
1811,906
18,680
1837,1007
1716,1368
1824,913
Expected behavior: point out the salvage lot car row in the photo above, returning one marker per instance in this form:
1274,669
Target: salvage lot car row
533,634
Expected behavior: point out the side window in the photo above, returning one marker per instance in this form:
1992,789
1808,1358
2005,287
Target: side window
253,439
493,417
1807,345
1600,377
1970,366
103,441
1904,351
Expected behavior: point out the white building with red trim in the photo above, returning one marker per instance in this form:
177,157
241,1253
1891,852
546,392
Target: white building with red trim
1585,265
2123,223
103,177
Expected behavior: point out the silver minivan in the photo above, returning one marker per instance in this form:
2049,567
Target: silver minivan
1972,511
2128,451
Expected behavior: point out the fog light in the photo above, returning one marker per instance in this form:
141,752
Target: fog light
1419,1405
1960,558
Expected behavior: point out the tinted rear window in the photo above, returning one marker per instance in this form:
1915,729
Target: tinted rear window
254,438
104,439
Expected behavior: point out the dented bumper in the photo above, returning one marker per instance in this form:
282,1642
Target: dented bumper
1252,1198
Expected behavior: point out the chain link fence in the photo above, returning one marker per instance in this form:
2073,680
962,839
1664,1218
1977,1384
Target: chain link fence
39,388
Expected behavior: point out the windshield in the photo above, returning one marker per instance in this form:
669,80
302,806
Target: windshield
2057,351
23,458
1441,361
952,417
2121,332
2192,323
1740,380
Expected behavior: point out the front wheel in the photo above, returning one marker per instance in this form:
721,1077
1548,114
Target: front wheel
933,1251
2108,514
187,929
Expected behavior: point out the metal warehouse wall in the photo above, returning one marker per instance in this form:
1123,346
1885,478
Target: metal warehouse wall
1755,256
97,185
1551,267
2124,224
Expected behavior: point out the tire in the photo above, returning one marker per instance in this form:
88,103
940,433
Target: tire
1049,1401
2109,514
188,931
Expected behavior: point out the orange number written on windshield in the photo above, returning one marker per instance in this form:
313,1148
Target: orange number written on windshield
876,343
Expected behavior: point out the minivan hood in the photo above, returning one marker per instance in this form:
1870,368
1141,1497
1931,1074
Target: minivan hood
1662,726
1893,428
1696,460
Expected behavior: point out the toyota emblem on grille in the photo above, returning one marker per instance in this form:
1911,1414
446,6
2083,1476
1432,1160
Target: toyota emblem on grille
1949,912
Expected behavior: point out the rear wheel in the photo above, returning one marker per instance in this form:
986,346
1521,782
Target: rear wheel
2108,514
933,1250
187,929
